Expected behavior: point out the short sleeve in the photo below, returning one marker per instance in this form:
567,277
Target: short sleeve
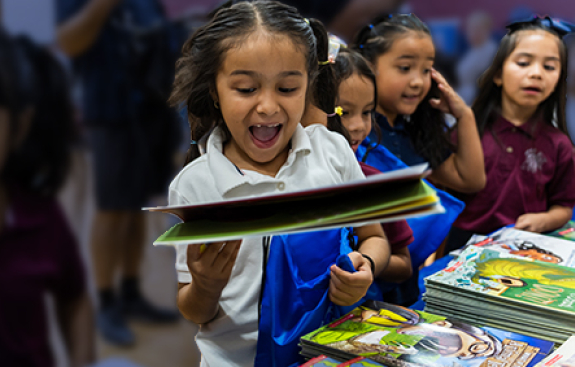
67,8
353,170
399,234
561,188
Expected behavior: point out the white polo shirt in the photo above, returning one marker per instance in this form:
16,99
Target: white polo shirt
318,157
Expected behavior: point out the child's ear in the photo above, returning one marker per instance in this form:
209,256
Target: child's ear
23,126
214,96
497,79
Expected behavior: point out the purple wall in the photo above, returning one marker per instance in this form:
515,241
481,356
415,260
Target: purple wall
499,9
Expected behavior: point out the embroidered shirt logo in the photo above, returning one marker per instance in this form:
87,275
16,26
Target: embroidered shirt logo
533,160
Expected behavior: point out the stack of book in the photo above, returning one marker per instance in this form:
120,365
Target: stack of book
510,280
400,337
380,198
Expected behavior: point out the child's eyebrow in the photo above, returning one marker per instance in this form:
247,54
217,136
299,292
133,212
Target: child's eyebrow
343,102
413,57
256,74
547,58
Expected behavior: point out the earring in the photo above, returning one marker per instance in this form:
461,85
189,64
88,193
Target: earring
216,105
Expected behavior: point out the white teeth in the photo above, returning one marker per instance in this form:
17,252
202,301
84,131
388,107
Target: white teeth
260,125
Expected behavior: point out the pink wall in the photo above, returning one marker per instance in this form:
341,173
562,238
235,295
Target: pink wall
499,9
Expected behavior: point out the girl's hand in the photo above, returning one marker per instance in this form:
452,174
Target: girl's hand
347,288
211,267
449,102
532,222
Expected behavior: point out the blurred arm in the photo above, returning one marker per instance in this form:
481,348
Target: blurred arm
399,268
79,32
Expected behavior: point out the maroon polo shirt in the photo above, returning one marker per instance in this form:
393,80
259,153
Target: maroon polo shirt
399,234
529,168
38,255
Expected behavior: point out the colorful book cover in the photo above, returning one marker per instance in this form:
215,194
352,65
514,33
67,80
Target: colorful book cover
544,285
321,361
360,362
528,244
379,198
567,232
400,337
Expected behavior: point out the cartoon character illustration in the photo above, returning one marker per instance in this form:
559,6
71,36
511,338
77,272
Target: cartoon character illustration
407,337
512,271
450,338
530,250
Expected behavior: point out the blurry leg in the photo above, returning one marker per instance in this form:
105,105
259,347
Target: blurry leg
134,241
134,304
108,232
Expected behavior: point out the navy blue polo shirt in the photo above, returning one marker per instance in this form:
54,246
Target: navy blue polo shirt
106,69
396,140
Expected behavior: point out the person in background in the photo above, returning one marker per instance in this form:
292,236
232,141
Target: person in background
413,99
344,17
570,105
478,57
520,112
39,255
121,52
354,110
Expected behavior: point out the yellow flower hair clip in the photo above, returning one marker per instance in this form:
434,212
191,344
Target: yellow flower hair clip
338,111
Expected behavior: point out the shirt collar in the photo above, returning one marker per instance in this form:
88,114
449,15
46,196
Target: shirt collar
530,128
384,123
228,177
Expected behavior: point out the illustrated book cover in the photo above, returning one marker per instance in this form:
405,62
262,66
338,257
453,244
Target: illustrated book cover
400,337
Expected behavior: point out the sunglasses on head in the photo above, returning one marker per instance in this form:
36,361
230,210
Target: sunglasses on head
560,27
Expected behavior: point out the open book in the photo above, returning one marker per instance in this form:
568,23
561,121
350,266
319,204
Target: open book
380,198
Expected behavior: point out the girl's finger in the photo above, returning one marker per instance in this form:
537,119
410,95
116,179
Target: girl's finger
435,102
194,251
231,261
436,75
339,295
224,257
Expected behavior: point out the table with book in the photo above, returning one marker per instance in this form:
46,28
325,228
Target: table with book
507,299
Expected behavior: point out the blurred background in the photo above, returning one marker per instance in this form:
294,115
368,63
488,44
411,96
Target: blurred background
110,82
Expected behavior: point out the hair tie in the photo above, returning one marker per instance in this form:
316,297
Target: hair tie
338,111
371,26
560,27
193,142
335,44
306,20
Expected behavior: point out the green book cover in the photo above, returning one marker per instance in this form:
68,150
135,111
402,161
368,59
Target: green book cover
506,277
